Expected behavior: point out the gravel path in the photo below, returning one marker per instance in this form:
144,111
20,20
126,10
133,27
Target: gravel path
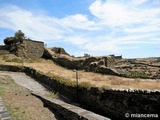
26,81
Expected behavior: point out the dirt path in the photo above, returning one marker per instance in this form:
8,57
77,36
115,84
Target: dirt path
26,81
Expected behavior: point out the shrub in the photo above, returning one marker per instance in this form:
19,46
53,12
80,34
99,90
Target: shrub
18,38
85,85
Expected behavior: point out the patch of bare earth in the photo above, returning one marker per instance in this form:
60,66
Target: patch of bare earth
20,103
95,79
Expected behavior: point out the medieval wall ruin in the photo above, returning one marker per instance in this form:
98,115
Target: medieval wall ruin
30,48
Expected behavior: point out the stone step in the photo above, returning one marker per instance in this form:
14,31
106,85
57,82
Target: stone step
3,111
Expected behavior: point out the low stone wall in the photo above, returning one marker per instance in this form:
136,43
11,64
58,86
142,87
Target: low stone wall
68,111
107,102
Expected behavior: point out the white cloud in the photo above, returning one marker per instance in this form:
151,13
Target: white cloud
102,46
118,13
133,38
42,27
37,27
142,29
77,40
114,44
78,21
117,26
137,2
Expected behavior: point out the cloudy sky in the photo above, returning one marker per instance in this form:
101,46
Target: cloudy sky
98,27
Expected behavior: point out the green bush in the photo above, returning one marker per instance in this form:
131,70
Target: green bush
18,38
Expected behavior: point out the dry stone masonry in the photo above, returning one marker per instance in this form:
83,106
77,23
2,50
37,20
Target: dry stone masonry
30,48
3,112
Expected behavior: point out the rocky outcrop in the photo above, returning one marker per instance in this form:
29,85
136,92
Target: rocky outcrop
100,64
148,68
59,50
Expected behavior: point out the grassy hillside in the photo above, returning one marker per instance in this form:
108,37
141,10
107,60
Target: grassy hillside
85,78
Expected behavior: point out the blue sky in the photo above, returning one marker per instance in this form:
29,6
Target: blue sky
98,27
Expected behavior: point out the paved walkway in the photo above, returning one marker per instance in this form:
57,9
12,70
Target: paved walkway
23,80
29,83
3,111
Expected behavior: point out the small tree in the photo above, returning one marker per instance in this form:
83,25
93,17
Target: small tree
18,38
19,35
9,40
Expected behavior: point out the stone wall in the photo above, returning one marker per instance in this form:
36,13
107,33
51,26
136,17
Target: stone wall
30,48
107,102
68,111
109,61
